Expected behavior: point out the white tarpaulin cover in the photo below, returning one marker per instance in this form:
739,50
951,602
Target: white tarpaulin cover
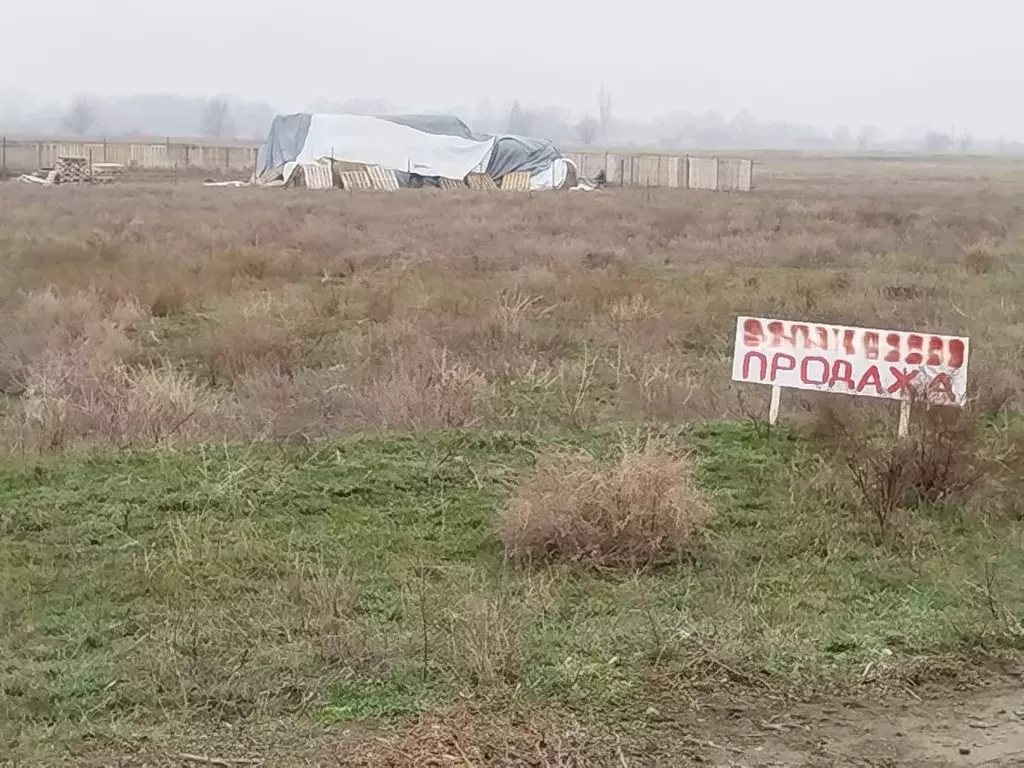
370,140
554,176
421,149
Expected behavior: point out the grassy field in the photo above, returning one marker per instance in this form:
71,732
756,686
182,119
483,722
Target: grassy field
259,447
363,579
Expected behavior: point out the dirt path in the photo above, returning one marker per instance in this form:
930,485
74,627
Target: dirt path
946,730
970,729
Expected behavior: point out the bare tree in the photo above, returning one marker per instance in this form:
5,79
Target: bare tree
604,110
935,142
520,121
587,129
81,115
965,142
217,122
867,137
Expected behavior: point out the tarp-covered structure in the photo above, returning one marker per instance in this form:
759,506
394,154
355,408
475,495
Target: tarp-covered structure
421,149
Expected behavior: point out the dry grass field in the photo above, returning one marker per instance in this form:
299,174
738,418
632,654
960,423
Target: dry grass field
138,314
319,478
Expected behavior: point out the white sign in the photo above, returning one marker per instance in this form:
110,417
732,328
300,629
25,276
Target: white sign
851,361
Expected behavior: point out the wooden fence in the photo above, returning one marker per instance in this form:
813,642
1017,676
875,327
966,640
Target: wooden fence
678,171
19,156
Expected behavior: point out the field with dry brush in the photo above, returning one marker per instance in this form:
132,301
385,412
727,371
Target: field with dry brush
298,476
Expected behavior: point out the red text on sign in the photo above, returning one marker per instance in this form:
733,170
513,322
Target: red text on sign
890,347
838,375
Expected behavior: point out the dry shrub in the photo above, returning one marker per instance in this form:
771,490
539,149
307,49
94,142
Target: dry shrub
461,737
169,298
644,509
46,323
83,395
428,392
947,457
259,330
272,404
486,634
425,389
984,257
67,358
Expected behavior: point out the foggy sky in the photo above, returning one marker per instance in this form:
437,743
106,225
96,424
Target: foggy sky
892,63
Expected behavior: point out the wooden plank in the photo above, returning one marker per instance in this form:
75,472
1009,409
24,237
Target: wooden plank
518,181
317,176
355,180
383,179
481,182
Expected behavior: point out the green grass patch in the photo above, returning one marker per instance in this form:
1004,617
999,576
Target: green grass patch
362,579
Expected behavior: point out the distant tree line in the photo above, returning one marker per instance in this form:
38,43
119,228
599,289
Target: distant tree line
223,117
86,115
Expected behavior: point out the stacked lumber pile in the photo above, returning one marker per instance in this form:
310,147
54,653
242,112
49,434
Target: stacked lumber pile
74,170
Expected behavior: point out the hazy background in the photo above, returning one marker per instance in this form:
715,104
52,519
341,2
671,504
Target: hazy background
937,75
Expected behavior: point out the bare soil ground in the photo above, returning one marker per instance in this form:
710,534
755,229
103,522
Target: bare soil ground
979,728
954,729
934,729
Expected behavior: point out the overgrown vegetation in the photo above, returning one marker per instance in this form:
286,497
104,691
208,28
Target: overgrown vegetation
240,315
562,521
364,579
645,510
951,457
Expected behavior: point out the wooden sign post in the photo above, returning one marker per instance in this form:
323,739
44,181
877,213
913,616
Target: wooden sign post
840,359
